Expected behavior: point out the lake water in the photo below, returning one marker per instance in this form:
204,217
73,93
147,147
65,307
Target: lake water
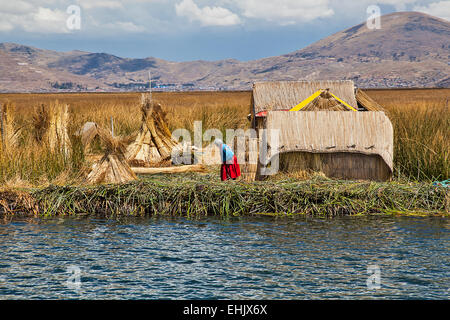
246,258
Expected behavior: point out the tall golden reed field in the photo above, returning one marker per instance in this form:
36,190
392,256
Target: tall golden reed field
421,120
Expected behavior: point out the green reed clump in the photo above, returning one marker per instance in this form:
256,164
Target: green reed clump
203,198
35,163
37,166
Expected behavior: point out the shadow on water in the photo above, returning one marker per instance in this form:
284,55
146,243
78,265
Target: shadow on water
236,258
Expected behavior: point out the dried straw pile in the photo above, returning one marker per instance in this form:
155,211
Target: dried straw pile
50,126
154,142
113,166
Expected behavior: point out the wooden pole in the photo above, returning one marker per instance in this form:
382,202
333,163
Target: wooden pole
150,85
112,126
178,169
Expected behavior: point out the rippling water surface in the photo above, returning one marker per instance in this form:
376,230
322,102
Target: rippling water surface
248,258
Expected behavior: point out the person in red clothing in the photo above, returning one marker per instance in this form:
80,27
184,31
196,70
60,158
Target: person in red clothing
230,168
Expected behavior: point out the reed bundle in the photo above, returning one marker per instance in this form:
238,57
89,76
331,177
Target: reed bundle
113,166
51,126
8,134
154,142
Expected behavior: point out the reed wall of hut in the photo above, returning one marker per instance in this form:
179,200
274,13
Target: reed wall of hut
341,144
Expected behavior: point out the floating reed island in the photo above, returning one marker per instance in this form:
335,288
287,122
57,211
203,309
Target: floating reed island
195,195
128,171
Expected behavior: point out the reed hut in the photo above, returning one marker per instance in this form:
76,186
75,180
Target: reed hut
154,142
323,126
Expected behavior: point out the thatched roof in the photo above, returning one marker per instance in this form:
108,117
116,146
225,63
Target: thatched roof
369,133
326,102
367,103
284,95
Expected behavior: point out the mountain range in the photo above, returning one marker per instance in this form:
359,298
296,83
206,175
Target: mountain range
410,49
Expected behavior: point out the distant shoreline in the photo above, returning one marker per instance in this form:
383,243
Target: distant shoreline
197,91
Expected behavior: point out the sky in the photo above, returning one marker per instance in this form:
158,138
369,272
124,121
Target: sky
185,30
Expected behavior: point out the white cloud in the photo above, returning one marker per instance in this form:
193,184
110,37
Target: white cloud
124,26
130,26
439,9
90,4
207,16
104,17
46,20
50,16
5,26
399,5
286,12
15,6
37,20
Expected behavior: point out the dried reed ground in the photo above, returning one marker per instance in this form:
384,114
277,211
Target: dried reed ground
421,120
32,164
